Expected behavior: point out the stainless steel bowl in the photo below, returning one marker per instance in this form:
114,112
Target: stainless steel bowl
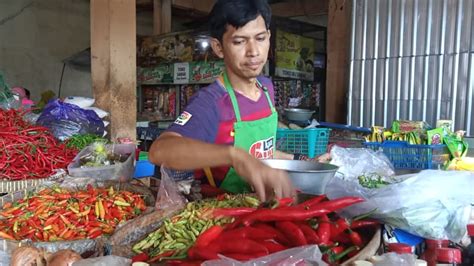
296,114
309,177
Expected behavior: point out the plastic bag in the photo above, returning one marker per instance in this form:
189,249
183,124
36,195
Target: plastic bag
104,261
82,102
394,259
7,100
305,255
168,194
432,204
354,162
100,113
65,120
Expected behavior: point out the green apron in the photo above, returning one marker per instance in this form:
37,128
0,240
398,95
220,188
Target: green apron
257,137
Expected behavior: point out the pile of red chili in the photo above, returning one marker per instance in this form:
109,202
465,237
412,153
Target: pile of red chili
28,151
55,214
259,232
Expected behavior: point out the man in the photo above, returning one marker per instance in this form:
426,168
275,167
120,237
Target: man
232,122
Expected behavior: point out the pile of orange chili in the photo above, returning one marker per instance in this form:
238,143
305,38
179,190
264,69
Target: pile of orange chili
55,214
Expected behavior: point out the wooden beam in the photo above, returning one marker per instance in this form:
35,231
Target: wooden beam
157,17
161,16
300,8
113,52
203,6
165,16
339,25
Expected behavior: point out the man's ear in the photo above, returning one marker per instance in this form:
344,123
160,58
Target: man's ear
217,47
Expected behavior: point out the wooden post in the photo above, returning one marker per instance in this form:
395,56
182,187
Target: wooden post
338,47
161,16
113,52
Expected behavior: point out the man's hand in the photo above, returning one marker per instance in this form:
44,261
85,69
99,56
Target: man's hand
266,181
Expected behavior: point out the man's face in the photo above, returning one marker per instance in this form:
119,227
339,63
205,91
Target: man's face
245,50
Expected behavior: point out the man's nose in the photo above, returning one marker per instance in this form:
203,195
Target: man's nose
252,49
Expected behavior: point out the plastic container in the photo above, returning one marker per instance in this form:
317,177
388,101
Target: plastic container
430,252
407,156
400,248
311,142
143,169
448,256
120,171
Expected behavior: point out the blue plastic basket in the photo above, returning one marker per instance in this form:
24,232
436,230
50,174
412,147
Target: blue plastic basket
406,156
311,142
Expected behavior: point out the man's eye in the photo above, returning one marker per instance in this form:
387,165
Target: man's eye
261,39
237,42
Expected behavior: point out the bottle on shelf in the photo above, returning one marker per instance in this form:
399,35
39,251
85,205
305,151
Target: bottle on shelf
429,255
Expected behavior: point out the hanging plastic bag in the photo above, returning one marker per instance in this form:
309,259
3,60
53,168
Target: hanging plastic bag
65,120
432,204
169,196
7,99
305,255
354,162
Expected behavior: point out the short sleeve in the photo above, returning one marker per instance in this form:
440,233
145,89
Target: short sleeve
200,119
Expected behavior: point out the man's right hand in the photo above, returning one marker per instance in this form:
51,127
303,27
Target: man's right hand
266,181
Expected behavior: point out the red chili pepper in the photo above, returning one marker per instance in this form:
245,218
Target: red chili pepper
239,245
364,223
202,253
273,246
293,232
324,229
356,238
205,238
337,204
313,201
184,262
339,227
309,233
232,212
283,214
280,237
162,255
248,232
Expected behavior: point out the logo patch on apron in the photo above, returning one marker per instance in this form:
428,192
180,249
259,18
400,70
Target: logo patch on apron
262,149
183,118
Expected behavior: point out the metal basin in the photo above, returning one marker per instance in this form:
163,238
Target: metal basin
296,114
308,177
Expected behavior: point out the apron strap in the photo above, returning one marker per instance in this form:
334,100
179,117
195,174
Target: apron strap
233,98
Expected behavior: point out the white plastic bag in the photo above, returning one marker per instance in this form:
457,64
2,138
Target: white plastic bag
305,255
104,261
100,113
394,259
354,162
432,204
82,102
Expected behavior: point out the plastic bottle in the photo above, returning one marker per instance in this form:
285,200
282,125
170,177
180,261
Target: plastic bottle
430,253
400,248
468,254
448,257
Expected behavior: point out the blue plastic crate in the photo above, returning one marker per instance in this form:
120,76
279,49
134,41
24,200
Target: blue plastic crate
406,156
311,142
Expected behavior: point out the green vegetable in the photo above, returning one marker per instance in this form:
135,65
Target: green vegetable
81,141
372,181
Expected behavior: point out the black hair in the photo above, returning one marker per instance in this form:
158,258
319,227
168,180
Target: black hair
27,93
236,13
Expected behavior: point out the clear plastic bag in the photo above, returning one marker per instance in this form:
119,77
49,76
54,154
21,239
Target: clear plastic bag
394,259
432,204
65,120
305,255
169,196
354,162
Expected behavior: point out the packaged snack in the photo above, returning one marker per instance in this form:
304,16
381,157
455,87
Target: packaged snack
457,148
435,136
405,126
